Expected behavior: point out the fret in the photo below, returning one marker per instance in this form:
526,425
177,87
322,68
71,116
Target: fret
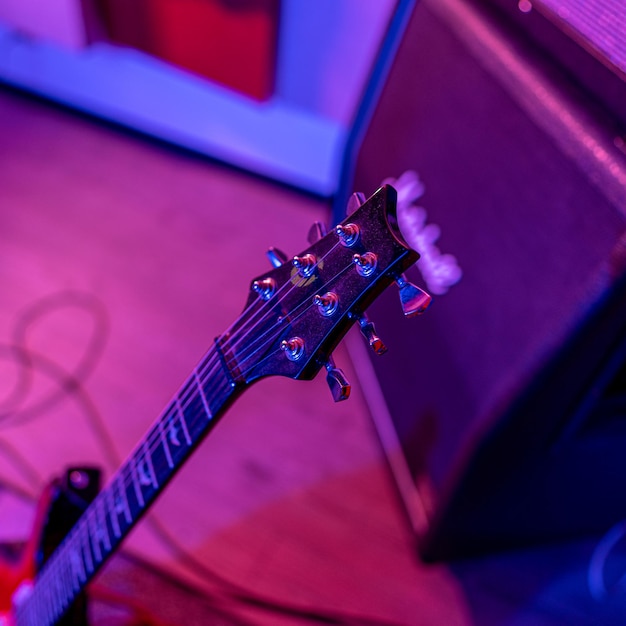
63,588
114,511
166,447
103,531
67,584
143,473
186,393
135,479
122,498
202,394
195,417
48,598
47,607
48,604
85,544
172,433
39,606
93,533
78,565
113,514
183,423
24,617
56,589
204,364
50,610
74,580
105,517
148,460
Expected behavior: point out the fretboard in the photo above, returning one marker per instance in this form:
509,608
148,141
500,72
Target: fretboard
183,424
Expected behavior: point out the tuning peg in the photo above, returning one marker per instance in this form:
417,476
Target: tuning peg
369,332
316,232
354,202
413,299
277,257
337,381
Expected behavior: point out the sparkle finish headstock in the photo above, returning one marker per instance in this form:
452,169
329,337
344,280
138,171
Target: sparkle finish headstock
299,311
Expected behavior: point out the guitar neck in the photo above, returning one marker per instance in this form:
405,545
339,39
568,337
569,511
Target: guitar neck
187,419
294,317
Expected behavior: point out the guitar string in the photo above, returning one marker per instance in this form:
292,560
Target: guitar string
70,573
307,303
91,512
169,414
266,307
60,568
209,366
7,418
128,480
64,570
290,282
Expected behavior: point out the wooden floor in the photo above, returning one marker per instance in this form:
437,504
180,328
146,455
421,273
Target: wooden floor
120,261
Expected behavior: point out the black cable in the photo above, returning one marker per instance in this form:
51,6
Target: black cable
246,596
72,388
22,465
71,385
12,408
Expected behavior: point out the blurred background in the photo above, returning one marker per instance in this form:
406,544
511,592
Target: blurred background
151,152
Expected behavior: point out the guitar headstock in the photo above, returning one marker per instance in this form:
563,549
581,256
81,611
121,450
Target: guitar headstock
297,313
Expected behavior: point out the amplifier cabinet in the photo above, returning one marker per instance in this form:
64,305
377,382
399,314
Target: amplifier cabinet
507,396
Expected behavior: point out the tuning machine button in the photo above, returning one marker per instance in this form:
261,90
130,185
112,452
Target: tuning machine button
293,348
327,304
316,232
369,332
277,257
354,202
305,264
337,381
414,300
365,263
266,288
348,234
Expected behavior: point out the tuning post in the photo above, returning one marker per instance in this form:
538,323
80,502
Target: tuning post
348,234
369,332
354,202
414,300
337,381
266,288
316,232
276,257
293,348
365,263
327,304
305,264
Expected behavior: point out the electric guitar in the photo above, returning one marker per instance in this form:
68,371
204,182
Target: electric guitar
294,317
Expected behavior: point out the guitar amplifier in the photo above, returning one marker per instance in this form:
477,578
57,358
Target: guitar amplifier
504,408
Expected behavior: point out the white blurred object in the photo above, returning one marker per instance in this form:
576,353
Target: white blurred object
440,271
58,21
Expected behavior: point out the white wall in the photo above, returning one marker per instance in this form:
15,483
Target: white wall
60,21
326,48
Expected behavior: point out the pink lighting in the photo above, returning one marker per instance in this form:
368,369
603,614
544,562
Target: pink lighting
57,21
